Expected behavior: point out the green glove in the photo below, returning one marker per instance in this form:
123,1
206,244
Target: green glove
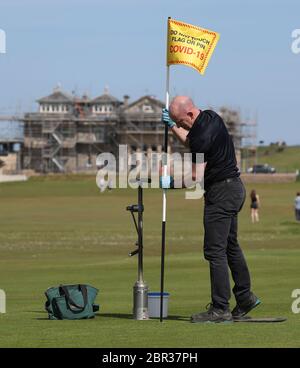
166,182
166,118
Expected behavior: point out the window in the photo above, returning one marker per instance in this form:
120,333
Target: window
147,108
99,134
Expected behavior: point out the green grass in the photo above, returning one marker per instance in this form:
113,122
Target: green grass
285,161
62,230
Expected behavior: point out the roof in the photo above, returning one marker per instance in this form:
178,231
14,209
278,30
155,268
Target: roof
148,99
56,97
106,98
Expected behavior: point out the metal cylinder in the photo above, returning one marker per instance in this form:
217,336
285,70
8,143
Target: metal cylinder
140,234
140,301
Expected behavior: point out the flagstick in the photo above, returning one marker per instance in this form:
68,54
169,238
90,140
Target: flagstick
165,173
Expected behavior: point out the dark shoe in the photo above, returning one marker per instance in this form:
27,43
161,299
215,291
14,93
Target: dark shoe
240,311
212,315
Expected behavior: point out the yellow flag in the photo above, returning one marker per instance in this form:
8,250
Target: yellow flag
190,45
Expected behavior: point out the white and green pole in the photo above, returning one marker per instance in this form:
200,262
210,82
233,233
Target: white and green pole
164,204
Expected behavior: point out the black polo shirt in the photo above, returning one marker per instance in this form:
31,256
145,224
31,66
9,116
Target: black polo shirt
210,136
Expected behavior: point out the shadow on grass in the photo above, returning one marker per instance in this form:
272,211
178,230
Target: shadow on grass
129,316
39,311
41,319
118,315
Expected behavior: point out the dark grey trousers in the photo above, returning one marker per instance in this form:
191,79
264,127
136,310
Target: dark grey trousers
223,201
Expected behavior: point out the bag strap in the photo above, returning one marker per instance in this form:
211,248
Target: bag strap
71,302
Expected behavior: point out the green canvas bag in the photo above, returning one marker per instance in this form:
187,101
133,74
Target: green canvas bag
71,302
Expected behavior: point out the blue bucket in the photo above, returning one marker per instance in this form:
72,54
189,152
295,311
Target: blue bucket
154,304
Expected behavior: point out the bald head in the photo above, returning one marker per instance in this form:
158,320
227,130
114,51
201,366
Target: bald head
181,104
183,111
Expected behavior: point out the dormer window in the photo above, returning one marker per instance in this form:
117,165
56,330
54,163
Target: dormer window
147,108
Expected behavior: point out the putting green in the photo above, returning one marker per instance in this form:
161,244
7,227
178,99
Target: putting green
61,230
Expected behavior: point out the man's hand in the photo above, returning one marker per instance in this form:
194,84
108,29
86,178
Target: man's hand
166,118
166,182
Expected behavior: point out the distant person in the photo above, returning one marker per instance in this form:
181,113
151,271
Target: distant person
255,204
297,206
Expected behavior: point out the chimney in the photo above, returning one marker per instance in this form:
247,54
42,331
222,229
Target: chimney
126,100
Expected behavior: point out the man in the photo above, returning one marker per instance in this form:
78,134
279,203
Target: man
205,132
297,206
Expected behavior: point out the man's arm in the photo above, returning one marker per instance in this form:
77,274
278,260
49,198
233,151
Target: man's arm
198,171
197,175
181,134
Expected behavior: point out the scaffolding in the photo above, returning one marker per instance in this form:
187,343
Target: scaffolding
11,141
65,144
244,136
249,143
68,132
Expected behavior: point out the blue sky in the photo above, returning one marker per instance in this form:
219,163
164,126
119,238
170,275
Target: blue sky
88,44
